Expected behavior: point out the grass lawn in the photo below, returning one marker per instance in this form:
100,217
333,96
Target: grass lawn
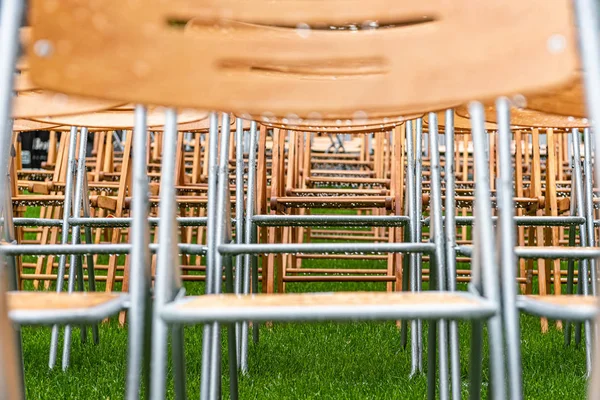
325,361
303,361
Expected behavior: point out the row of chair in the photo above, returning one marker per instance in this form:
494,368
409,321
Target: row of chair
358,77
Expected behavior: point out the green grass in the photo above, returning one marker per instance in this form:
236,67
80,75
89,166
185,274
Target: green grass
303,361
325,361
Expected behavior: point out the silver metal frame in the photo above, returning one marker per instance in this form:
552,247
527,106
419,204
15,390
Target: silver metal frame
484,266
169,297
140,309
449,220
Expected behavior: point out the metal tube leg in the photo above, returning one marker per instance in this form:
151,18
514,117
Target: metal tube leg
248,238
168,280
138,356
571,265
410,260
65,236
213,168
221,220
451,249
431,359
485,260
177,344
255,325
232,343
75,267
160,337
205,372
586,13
239,221
419,238
581,210
507,259
579,325
79,262
210,240
588,348
437,231
476,364
90,258
589,265
215,362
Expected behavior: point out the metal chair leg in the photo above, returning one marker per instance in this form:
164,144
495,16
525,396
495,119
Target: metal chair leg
75,267
212,199
506,216
450,208
139,290
65,237
438,263
166,283
486,251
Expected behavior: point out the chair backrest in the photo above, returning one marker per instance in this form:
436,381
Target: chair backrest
426,55
522,117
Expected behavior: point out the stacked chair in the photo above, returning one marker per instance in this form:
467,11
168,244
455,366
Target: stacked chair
300,118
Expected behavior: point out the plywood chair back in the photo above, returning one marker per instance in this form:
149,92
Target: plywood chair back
354,72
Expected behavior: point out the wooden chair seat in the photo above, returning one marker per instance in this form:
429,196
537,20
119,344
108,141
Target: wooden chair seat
23,301
337,202
50,307
567,300
358,120
524,117
342,172
50,199
196,126
122,119
110,202
24,125
342,129
42,104
347,181
567,101
335,192
567,307
332,306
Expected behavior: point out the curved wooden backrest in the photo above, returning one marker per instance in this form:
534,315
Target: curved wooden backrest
30,102
41,103
568,101
350,126
24,125
336,130
432,54
529,118
122,119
